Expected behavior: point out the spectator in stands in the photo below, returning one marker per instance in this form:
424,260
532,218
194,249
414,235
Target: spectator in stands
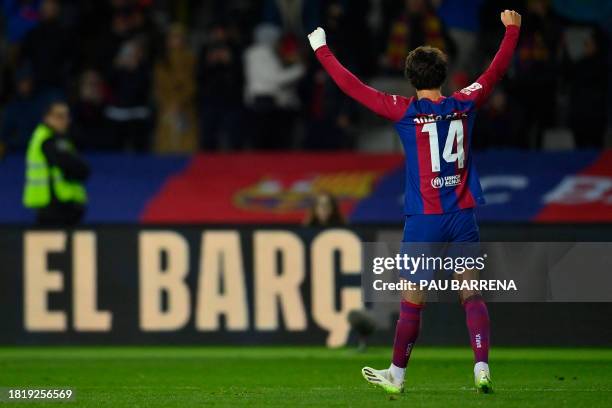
329,115
220,81
295,17
90,130
461,18
21,17
536,73
174,90
129,112
259,98
49,49
21,114
324,212
350,34
55,172
415,25
271,87
586,74
107,26
495,126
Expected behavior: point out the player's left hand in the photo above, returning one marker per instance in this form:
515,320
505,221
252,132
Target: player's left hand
510,17
317,38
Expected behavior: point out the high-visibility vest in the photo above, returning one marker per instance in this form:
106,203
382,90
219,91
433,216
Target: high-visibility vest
41,177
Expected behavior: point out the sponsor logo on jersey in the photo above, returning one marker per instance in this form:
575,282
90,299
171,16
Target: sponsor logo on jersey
472,88
437,182
448,181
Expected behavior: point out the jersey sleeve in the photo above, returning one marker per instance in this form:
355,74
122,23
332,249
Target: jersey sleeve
484,85
392,107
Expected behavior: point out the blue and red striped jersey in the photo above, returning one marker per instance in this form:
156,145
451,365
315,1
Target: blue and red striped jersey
436,135
440,173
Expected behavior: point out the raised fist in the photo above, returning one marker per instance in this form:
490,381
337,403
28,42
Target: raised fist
317,38
510,17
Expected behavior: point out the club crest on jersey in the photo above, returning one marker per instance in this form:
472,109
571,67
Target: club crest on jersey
448,181
437,182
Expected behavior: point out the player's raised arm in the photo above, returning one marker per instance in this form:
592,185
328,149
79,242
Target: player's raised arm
391,107
482,88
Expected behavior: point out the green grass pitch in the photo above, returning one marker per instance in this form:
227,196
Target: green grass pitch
304,376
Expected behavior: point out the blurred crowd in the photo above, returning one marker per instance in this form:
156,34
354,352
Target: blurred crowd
178,76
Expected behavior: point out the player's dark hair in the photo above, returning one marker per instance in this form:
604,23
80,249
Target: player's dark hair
426,67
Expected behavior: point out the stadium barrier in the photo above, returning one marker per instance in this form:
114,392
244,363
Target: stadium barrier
230,285
263,188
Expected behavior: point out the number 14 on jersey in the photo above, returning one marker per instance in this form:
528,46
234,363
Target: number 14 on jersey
455,133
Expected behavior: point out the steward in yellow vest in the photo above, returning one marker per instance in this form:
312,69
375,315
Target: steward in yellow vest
55,172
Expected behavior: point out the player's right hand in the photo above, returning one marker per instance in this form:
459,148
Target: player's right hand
317,38
510,17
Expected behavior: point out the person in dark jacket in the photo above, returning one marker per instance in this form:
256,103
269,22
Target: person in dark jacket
49,49
220,81
129,112
55,172
21,114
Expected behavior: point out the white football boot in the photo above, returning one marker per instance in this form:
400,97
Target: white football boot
383,379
